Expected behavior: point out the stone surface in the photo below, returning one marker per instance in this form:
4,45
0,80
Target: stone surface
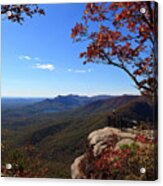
100,139
76,172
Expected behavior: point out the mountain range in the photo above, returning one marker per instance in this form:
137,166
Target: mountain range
58,127
20,107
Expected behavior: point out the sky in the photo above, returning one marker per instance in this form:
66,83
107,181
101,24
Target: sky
39,59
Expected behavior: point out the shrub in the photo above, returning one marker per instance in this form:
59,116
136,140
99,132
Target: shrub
123,163
24,163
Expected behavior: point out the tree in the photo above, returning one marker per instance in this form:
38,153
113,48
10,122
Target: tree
16,13
119,34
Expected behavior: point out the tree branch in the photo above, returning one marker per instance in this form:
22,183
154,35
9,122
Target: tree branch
126,70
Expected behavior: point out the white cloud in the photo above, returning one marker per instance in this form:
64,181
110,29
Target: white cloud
49,67
24,57
79,70
37,59
69,70
44,66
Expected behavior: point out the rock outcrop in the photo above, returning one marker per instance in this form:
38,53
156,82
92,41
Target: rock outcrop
99,140
75,168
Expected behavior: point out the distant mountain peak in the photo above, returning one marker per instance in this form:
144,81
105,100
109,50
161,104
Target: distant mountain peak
69,96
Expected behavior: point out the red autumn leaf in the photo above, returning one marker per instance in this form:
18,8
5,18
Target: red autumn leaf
124,39
82,54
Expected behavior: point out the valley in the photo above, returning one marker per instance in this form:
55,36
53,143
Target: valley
60,136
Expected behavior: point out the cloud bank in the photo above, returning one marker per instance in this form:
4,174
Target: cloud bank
42,65
25,57
49,66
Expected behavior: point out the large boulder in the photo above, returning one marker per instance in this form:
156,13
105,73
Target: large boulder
100,140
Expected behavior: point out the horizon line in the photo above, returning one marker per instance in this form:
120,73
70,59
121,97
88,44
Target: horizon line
69,95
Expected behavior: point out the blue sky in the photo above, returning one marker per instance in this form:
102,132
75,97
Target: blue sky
39,59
